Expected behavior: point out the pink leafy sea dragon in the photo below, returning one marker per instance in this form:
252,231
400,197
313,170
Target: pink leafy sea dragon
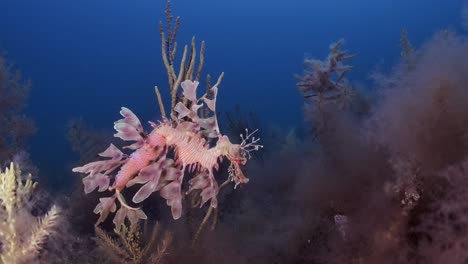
161,158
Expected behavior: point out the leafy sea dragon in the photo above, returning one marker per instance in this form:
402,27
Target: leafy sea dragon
186,138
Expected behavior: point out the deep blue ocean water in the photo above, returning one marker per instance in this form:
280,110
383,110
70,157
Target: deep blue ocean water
88,58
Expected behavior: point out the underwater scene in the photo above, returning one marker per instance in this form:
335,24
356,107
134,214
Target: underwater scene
299,131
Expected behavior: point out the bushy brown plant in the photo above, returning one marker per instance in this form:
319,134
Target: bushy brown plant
15,127
385,171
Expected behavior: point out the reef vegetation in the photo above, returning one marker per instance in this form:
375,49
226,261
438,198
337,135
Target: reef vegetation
380,176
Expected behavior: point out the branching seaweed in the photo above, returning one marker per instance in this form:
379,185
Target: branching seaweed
187,66
131,245
15,127
324,83
22,234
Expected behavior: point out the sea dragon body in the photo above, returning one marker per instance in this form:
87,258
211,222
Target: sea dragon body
161,158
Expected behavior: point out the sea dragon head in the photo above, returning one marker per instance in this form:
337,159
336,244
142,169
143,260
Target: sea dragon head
238,154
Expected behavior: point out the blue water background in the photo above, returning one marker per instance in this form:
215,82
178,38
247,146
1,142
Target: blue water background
88,58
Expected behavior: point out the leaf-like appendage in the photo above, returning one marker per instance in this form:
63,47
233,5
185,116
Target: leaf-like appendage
102,166
200,181
112,152
145,191
190,90
211,103
127,132
131,119
129,128
133,215
207,183
182,110
171,192
92,182
105,206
